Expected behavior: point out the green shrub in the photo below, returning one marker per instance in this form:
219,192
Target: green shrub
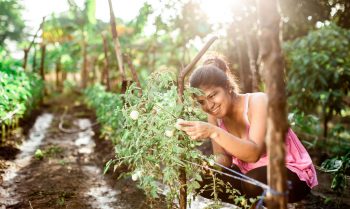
318,72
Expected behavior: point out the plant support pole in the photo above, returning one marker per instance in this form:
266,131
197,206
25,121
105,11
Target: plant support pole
116,41
133,71
105,74
180,86
271,60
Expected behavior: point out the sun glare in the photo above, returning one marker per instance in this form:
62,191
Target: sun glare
219,11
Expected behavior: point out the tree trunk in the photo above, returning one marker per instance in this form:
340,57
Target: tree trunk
244,70
42,62
34,60
253,56
25,58
273,69
58,69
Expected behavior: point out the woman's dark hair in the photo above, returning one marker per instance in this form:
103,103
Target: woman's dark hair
214,72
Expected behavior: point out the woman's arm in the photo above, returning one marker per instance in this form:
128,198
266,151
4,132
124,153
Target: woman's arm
221,155
247,150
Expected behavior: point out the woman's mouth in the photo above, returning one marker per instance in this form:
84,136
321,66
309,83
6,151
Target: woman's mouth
215,110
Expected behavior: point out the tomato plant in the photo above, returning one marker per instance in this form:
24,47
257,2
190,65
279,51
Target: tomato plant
143,130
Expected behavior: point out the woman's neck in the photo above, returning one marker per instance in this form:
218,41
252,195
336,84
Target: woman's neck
236,109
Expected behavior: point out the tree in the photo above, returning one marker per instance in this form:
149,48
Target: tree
11,22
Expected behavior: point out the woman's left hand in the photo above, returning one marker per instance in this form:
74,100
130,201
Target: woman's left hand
196,130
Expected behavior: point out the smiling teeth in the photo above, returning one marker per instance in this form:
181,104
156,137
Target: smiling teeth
215,110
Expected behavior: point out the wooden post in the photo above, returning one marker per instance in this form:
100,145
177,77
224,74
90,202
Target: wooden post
133,71
180,88
116,41
105,74
84,72
270,57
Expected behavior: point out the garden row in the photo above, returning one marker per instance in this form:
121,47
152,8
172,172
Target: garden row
19,91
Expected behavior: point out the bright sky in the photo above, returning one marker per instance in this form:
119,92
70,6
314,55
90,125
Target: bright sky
218,10
35,10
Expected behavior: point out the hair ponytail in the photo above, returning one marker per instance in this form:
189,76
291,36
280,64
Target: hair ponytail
220,62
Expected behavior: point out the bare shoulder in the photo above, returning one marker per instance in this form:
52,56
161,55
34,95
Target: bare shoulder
258,101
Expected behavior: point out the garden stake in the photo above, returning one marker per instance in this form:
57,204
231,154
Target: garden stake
117,46
180,86
105,73
133,71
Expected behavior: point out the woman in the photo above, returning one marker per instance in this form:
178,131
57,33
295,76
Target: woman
237,127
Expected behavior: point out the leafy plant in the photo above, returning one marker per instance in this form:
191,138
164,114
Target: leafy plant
306,125
318,72
19,90
338,166
143,129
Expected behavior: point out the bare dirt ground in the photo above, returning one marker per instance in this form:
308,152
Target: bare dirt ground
68,174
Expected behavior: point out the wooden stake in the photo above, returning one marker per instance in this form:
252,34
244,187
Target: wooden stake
180,86
133,71
105,74
271,59
116,41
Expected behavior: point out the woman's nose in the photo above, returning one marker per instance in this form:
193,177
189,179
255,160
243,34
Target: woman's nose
210,104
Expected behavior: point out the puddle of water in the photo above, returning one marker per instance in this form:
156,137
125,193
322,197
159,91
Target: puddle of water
84,142
36,135
102,196
196,203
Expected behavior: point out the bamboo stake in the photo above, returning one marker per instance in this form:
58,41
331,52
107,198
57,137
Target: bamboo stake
133,71
116,41
180,86
187,69
273,69
105,74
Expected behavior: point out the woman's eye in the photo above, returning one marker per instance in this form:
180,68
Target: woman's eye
212,95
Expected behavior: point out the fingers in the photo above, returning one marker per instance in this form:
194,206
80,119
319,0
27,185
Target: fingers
186,123
188,128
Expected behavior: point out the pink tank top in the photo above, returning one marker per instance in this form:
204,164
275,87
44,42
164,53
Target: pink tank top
297,158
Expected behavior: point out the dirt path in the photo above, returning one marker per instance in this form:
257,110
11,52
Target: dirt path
69,173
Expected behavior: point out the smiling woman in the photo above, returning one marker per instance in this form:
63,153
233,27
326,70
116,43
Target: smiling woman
237,125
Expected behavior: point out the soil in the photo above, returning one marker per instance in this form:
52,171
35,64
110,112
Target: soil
70,173
68,176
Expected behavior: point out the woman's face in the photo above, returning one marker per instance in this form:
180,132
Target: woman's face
215,101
